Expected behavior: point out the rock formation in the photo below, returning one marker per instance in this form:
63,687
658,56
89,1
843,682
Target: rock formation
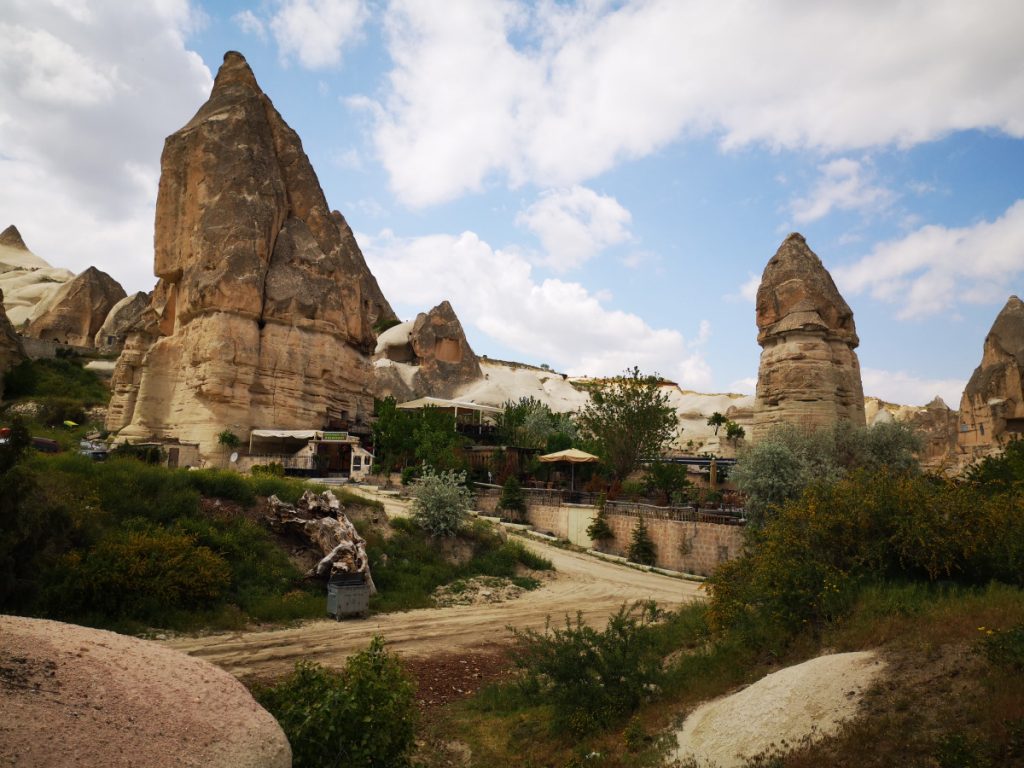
992,406
121,319
75,311
427,357
11,352
936,424
809,374
264,310
73,696
26,280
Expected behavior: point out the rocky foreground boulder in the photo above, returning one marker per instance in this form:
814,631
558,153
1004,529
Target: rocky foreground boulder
264,310
72,696
992,406
809,374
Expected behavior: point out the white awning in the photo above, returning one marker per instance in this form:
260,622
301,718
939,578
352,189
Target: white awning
295,434
437,402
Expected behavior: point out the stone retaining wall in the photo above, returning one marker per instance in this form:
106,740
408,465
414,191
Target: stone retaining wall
690,546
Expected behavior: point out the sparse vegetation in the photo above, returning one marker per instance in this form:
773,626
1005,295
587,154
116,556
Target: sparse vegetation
363,716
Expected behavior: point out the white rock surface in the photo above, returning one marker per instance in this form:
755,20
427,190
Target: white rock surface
809,699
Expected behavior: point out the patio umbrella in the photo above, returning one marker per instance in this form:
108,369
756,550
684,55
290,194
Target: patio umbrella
574,457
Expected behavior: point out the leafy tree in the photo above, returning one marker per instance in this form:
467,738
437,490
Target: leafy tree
392,436
780,466
512,499
228,439
1000,474
361,717
734,431
716,420
668,479
440,502
628,418
529,423
641,548
436,439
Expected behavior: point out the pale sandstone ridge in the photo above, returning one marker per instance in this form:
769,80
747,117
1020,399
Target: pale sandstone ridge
75,312
264,310
992,406
427,357
809,374
26,280
72,696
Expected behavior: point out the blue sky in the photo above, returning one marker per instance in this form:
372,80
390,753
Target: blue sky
592,185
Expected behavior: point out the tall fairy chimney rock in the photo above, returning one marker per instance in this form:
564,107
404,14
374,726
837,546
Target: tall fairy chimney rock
809,374
264,309
992,406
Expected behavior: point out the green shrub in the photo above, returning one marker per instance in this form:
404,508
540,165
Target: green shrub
512,499
144,574
591,678
409,474
599,530
54,411
273,469
441,502
1004,648
223,484
641,548
55,378
364,716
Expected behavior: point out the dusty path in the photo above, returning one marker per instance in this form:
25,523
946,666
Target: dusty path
583,583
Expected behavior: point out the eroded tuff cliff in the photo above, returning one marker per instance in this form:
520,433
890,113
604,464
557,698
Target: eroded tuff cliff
809,374
992,406
11,352
76,311
263,312
429,357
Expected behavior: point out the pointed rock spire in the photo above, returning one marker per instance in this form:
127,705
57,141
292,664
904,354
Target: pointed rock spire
11,237
809,373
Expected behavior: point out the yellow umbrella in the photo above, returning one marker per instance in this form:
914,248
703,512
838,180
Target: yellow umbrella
572,455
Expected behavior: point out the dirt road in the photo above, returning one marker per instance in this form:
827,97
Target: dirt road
583,583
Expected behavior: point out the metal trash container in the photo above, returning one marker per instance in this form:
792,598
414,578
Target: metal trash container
348,594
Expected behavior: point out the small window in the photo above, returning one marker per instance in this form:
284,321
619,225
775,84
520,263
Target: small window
357,462
981,428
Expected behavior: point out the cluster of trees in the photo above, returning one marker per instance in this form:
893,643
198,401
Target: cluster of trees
628,420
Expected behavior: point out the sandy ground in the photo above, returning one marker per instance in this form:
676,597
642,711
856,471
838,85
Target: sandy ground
583,583
803,701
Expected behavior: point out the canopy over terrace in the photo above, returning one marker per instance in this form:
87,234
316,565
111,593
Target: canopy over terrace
311,451
572,455
483,413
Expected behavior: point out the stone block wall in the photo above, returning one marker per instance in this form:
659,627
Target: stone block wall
693,546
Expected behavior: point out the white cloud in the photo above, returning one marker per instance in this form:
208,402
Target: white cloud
744,386
845,185
495,293
905,389
87,94
935,268
557,94
575,224
315,32
250,24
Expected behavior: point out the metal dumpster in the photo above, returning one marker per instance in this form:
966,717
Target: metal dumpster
348,594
